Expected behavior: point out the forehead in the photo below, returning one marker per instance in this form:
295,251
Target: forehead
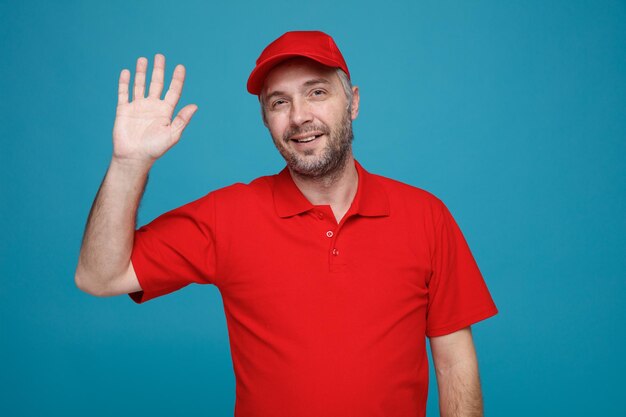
295,72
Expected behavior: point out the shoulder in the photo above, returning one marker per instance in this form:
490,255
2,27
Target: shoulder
244,200
229,196
259,188
402,193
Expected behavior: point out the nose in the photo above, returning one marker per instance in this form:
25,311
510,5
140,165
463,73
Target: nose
300,112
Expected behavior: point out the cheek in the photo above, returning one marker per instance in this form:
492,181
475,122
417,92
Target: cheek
276,133
334,114
276,126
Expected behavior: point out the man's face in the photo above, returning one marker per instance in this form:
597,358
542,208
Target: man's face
306,111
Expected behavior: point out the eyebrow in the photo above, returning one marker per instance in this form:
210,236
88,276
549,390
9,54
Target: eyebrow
308,83
316,81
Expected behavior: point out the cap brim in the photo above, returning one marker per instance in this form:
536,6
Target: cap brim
259,73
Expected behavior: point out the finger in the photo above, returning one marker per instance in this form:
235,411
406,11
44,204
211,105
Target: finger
122,89
176,86
156,84
140,78
182,119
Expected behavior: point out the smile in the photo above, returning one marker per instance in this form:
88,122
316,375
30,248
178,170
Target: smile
307,139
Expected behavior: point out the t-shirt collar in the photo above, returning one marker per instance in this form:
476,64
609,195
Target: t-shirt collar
370,199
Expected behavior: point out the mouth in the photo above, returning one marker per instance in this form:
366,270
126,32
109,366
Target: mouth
306,139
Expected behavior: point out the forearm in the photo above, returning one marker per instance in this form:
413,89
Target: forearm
109,233
459,390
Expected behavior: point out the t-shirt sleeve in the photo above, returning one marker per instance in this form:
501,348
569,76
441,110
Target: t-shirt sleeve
457,294
176,249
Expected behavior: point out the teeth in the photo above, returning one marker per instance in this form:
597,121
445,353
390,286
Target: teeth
304,140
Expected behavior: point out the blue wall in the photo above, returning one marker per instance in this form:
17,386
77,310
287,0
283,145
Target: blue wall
513,113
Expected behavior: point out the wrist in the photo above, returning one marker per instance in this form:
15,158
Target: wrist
131,166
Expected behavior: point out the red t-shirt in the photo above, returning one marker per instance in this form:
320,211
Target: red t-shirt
324,319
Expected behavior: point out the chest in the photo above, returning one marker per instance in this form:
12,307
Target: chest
309,259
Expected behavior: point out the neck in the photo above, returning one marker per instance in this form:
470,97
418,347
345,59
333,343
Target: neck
336,189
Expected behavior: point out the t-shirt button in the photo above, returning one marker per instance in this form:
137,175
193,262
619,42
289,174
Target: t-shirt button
320,215
329,233
335,252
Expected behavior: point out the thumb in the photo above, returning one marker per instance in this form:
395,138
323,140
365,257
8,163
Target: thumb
183,117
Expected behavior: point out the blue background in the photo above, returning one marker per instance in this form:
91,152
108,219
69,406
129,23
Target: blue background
513,113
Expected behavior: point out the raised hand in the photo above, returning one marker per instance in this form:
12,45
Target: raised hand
144,129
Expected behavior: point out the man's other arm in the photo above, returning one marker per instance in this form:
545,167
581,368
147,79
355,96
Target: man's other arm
142,133
456,366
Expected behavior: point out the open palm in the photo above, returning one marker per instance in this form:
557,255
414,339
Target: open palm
144,129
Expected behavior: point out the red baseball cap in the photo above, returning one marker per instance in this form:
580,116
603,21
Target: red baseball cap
315,45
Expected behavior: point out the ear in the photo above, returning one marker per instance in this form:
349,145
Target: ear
355,102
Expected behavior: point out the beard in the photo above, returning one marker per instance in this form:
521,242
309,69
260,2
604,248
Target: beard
332,157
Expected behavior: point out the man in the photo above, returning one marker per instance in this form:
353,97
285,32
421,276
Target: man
331,277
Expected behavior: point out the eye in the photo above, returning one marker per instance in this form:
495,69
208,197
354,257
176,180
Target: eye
318,92
278,102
